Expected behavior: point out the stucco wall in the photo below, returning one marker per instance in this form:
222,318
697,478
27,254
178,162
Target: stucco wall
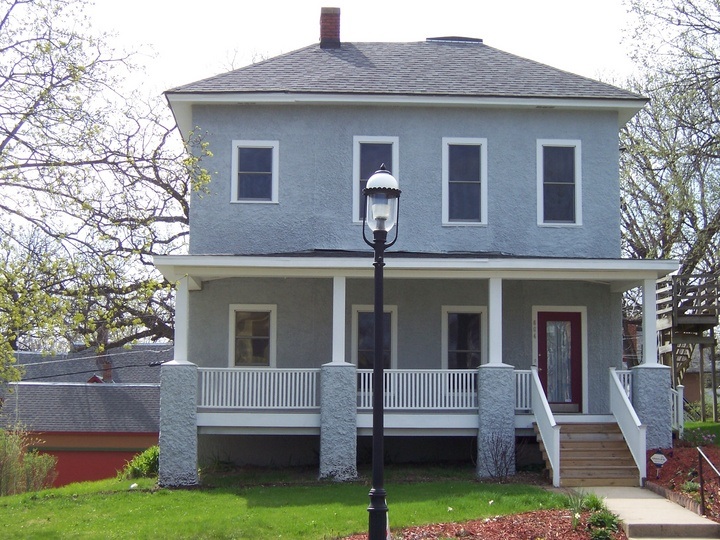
304,312
315,173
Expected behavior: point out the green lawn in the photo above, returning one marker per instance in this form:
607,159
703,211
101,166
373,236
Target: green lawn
694,429
228,508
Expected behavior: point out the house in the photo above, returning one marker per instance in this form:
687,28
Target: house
502,294
92,428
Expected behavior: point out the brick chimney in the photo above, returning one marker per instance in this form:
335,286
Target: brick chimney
330,28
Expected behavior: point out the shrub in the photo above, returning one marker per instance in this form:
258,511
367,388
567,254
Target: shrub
690,487
144,465
603,524
23,469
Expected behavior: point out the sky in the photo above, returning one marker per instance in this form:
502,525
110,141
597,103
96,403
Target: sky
181,41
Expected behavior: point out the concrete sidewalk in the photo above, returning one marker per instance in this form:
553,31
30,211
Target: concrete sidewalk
649,516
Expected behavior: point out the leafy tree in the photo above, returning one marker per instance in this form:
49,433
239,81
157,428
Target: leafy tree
96,177
670,168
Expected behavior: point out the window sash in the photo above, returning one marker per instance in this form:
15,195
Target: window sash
559,183
464,178
255,172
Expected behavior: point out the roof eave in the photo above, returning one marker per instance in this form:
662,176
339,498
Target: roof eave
622,274
181,102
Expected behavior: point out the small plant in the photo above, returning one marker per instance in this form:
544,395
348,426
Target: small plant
498,452
602,524
23,469
698,437
690,487
144,465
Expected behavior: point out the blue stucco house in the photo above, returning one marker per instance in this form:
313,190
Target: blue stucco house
503,292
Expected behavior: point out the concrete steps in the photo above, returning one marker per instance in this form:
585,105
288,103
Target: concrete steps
593,454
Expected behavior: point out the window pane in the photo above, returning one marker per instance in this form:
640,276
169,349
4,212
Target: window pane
463,340
366,339
464,201
372,156
559,164
254,173
255,159
254,186
464,163
252,338
559,202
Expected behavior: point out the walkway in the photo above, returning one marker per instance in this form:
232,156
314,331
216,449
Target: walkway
648,516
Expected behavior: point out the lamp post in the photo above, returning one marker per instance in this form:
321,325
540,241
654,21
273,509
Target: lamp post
382,196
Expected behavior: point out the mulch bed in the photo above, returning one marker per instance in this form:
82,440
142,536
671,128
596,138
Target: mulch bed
671,480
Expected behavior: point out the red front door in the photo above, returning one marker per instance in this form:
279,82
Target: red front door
560,359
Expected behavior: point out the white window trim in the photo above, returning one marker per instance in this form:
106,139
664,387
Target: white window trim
272,309
275,145
357,141
482,310
482,143
366,308
584,336
578,181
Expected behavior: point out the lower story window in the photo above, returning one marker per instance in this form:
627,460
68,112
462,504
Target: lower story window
463,337
252,335
364,337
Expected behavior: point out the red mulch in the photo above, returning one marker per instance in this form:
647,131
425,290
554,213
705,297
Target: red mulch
545,525
681,466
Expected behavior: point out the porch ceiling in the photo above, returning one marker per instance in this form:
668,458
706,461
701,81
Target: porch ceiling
621,274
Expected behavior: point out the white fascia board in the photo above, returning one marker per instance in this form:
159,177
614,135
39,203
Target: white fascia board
623,273
181,103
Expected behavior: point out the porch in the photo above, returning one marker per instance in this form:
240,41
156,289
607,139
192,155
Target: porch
427,403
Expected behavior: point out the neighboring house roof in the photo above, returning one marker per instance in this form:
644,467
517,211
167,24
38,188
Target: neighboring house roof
74,407
447,71
139,364
437,67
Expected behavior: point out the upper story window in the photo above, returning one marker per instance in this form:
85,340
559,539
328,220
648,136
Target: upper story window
559,182
369,153
255,171
463,337
252,335
464,177
363,337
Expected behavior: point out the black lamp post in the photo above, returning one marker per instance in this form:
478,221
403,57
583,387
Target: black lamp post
382,196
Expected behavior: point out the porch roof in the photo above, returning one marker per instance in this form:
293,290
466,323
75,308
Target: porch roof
621,274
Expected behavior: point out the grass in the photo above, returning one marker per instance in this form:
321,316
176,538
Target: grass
712,428
259,506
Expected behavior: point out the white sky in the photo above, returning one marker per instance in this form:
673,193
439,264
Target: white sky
190,40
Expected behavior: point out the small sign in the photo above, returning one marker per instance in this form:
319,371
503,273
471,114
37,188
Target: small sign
659,459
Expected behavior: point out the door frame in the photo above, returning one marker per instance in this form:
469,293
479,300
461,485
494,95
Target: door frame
584,345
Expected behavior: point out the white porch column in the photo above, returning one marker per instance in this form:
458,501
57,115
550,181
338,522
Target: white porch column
338,325
182,320
650,355
495,330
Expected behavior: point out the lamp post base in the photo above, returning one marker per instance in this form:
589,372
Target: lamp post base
378,515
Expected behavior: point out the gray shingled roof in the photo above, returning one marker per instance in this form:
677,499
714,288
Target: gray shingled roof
132,365
72,407
428,68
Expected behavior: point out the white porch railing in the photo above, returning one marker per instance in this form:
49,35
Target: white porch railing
627,419
523,390
677,397
549,430
260,388
625,378
421,389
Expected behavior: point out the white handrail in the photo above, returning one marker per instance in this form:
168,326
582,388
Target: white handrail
549,430
421,389
258,388
630,425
